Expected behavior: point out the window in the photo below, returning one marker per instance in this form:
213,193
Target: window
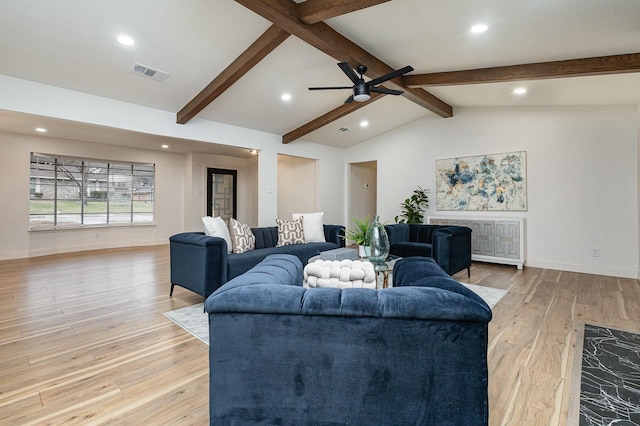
67,192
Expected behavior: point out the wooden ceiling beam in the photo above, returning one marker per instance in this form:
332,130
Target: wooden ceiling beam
327,118
264,45
601,65
314,11
284,14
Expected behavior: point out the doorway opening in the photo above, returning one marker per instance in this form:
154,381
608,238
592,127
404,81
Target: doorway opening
222,193
363,190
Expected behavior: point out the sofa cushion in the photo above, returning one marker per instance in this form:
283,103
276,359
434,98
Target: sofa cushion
241,236
266,236
407,249
290,232
241,263
312,225
284,269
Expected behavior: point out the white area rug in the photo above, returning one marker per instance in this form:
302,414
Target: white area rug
195,321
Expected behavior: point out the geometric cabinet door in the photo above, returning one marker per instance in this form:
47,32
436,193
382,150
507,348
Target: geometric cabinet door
222,188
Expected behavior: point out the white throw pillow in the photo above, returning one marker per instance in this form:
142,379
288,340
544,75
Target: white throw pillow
243,238
312,224
215,227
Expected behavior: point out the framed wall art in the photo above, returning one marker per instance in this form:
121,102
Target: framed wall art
482,182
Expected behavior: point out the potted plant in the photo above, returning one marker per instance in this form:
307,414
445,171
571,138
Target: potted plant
358,233
413,207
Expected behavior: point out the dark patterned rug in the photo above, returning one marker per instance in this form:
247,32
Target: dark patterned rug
610,377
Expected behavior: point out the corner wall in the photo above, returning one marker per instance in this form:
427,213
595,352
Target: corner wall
23,96
582,171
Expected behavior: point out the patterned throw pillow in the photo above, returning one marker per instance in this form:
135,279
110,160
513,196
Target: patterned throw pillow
241,236
290,232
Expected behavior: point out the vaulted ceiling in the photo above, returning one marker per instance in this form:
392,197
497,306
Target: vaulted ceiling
230,61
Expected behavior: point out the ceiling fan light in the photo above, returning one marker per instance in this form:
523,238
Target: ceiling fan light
361,93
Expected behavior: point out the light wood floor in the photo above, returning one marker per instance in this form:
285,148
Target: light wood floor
83,340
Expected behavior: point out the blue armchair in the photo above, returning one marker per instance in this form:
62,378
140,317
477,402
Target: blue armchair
415,354
449,246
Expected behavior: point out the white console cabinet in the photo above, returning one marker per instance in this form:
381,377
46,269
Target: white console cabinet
497,240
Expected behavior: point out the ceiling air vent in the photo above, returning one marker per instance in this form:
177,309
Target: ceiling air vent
343,129
145,71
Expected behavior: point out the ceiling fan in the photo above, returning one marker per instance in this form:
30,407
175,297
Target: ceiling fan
361,89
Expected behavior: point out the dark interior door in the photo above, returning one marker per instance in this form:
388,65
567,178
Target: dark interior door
222,190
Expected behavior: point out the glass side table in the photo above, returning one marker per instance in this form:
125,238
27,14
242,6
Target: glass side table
384,271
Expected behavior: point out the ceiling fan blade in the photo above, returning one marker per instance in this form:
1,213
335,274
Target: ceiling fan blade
346,68
390,76
387,91
349,100
330,88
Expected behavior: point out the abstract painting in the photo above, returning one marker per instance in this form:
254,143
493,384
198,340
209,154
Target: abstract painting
483,182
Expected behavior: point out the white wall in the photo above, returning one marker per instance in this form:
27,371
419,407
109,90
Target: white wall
196,194
17,241
297,185
582,176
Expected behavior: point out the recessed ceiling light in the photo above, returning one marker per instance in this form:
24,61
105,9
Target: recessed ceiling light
519,90
125,40
286,97
364,123
164,146
253,151
41,129
479,28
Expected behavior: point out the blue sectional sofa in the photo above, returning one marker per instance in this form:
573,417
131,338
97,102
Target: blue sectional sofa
449,246
414,354
201,263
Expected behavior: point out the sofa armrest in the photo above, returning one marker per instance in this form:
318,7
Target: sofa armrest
452,248
334,234
198,262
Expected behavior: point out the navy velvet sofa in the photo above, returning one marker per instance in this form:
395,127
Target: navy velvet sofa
201,263
414,354
449,246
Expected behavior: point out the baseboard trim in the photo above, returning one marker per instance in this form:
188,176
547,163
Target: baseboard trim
585,269
62,250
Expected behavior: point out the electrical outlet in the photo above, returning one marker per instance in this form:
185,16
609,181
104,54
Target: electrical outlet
595,252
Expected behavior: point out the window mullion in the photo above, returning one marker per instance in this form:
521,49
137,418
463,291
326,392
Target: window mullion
108,191
82,191
55,192
131,196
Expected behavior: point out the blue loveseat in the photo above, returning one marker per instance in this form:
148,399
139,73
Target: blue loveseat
414,354
200,263
449,246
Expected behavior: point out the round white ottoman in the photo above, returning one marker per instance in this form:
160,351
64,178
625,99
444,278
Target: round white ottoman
340,274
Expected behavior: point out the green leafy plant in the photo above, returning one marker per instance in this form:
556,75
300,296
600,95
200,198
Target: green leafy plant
358,232
413,207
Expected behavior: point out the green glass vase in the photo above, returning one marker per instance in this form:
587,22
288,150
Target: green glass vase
377,242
